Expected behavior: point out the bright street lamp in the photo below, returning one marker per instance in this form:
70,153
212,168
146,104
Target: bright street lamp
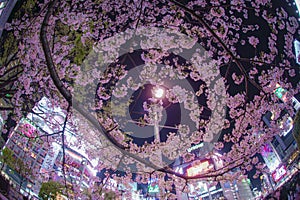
158,92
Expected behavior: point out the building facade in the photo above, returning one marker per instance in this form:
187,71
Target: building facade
280,155
42,155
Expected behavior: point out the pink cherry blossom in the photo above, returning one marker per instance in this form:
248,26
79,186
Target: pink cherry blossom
97,53
254,41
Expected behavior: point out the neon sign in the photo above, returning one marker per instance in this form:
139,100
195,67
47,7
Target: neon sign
197,146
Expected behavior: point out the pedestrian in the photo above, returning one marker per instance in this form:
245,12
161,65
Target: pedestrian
291,195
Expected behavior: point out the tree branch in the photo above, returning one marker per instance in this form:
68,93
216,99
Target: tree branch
47,52
76,105
6,108
220,41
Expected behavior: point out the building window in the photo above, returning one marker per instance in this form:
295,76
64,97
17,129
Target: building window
40,160
36,149
43,153
33,155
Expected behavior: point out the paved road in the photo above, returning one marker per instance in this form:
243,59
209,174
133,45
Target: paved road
6,13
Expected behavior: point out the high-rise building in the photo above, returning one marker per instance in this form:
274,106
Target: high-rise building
78,168
42,157
244,190
31,151
277,154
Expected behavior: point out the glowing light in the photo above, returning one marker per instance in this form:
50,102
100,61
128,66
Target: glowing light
197,146
202,167
158,92
279,173
298,4
289,124
270,157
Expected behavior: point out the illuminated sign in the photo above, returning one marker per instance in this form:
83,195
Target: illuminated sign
279,173
202,167
281,93
269,156
296,103
197,146
200,188
288,124
293,157
152,187
179,170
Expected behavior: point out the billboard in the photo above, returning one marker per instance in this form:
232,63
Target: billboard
270,157
279,173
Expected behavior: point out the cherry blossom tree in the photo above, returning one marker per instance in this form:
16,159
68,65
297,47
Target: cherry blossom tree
220,60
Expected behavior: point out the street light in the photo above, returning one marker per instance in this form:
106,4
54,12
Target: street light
158,92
